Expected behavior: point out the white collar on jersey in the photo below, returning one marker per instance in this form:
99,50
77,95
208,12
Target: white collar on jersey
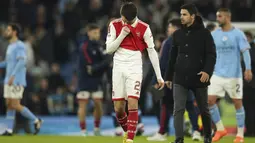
135,23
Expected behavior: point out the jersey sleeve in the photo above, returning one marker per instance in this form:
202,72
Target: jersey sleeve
148,38
112,41
21,52
111,36
243,43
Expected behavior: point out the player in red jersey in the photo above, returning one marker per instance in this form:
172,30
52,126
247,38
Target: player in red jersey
127,38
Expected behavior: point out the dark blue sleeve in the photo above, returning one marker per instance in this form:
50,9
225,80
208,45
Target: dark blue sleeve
165,55
82,60
104,63
85,56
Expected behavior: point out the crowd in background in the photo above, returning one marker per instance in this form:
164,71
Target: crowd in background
53,31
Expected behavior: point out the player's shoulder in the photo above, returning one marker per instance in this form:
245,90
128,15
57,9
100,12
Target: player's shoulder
238,31
20,45
143,23
216,31
115,21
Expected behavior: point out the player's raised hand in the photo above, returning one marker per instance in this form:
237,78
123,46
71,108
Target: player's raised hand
168,84
125,31
160,84
248,75
204,77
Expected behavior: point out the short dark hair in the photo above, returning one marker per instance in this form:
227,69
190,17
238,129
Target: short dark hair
92,26
191,8
224,10
15,27
175,22
128,10
248,33
210,26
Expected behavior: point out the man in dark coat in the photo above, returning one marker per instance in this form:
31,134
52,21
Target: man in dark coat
191,65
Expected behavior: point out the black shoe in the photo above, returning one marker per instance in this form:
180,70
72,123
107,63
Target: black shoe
179,140
207,140
37,126
6,133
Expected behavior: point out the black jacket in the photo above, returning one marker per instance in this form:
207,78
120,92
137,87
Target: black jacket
193,51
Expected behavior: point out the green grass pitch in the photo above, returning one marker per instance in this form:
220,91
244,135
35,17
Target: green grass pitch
71,139
228,119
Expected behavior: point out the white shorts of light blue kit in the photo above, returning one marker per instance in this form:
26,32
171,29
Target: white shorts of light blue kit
13,91
221,85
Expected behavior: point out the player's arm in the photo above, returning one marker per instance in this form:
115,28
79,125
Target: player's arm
244,48
210,54
163,59
85,59
3,64
106,60
247,59
154,61
112,41
148,39
173,53
21,63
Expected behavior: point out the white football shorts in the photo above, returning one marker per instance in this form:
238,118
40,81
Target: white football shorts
220,85
126,80
13,91
85,95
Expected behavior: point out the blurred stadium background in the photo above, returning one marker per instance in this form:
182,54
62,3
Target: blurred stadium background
54,29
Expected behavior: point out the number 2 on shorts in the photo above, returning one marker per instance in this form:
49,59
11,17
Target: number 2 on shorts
137,85
237,88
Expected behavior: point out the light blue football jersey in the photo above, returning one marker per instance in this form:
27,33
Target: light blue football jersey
229,45
15,51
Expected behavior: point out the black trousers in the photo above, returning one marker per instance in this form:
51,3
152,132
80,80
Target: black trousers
180,94
167,107
249,106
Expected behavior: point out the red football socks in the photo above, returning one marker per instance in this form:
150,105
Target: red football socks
132,123
123,121
97,123
83,125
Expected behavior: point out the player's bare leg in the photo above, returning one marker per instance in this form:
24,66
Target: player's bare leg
132,118
8,103
15,104
82,115
240,116
98,111
215,114
121,115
